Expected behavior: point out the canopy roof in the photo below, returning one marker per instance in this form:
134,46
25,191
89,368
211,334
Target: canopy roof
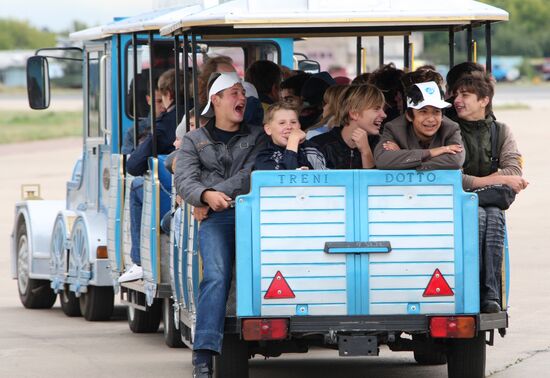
290,17
153,20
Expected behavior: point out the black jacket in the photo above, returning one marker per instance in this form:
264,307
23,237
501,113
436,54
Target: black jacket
338,154
273,157
166,134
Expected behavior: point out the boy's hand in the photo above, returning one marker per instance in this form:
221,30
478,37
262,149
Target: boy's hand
296,137
453,149
517,183
200,213
361,140
217,201
390,145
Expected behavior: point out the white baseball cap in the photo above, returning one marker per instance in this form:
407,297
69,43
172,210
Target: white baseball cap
222,82
431,96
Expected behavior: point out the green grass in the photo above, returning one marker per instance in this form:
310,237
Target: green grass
22,126
512,106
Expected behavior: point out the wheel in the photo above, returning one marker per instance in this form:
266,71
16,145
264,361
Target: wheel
32,293
172,336
98,303
427,352
70,304
466,357
145,321
233,362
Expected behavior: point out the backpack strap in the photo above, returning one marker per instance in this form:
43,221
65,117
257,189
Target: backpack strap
494,147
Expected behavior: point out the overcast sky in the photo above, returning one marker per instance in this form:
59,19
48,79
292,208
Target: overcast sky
59,14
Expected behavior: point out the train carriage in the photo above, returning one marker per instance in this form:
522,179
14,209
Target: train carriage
347,260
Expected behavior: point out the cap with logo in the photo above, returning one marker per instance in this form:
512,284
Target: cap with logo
431,96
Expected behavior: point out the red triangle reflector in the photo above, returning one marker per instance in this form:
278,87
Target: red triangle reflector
438,286
279,288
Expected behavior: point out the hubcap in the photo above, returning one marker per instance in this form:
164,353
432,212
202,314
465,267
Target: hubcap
58,241
23,264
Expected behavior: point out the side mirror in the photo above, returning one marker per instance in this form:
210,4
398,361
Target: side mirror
309,66
38,82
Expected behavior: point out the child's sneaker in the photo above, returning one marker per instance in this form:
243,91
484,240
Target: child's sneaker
132,274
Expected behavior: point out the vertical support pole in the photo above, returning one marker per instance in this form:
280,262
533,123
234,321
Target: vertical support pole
381,50
152,94
119,93
406,54
196,106
177,84
134,84
451,47
186,79
488,61
358,56
469,39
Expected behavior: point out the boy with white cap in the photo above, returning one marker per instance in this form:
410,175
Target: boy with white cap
213,167
422,138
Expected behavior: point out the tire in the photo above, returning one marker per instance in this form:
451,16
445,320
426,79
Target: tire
145,321
427,352
233,362
172,336
98,303
32,293
70,304
466,357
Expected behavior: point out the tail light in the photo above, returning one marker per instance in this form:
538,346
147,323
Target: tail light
265,329
454,327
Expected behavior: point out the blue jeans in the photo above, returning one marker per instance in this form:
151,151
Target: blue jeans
217,249
491,249
136,207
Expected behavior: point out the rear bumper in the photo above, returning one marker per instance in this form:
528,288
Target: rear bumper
374,323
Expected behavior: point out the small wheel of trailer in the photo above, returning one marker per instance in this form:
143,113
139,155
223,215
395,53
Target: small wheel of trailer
172,336
427,352
98,303
145,321
233,362
466,357
32,293
70,304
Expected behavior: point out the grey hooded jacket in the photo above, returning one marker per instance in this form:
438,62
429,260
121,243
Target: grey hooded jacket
412,155
203,163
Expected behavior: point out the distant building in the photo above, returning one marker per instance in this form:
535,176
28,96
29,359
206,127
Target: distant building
12,67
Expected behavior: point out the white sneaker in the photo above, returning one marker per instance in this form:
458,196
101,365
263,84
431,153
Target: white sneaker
132,274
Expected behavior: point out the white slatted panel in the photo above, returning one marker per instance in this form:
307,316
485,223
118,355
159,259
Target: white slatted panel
408,202
410,269
289,217
306,270
145,242
414,255
126,233
412,228
295,223
400,215
401,308
314,309
418,221
320,284
115,183
414,282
